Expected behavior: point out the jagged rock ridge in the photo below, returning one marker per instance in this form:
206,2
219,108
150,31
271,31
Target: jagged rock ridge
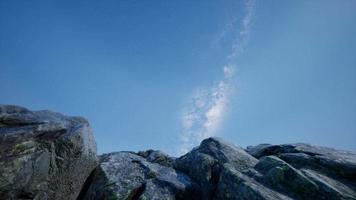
46,155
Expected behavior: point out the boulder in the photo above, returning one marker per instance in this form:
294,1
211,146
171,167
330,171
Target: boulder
204,163
43,154
127,175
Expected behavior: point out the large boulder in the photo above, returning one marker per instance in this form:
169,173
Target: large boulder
43,154
204,164
129,176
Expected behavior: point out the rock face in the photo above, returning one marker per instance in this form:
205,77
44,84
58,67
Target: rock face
43,154
46,155
304,171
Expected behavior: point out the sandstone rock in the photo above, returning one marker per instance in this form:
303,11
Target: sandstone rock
43,154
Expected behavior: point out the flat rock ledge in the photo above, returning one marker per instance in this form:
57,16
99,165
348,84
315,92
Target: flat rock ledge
46,155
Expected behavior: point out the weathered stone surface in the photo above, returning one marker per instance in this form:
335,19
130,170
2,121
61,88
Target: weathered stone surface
224,171
303,171
204,163
236,185
43,154
330,188
283,177
330,161
126,175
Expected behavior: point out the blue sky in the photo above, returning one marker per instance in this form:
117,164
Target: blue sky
137,69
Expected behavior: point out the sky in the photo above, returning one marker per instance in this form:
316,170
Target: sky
167,74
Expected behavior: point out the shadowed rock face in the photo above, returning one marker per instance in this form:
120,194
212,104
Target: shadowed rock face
46,155
43,154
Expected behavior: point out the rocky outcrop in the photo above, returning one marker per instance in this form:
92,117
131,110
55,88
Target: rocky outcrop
218,170
224,171
46,155
127,175
43,154
307,172
204,164
328,160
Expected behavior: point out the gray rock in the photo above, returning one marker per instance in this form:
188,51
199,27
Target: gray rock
299,171
46,155
126,175
226,152
283,177
305,171
43,154
330,161
235,185
204,163
157,157
330,188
